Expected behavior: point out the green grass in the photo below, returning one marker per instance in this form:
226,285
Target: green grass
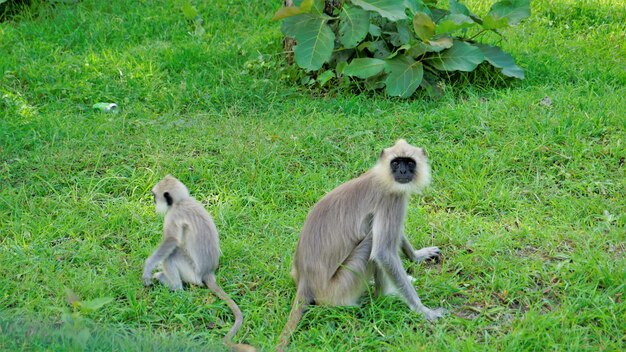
527,202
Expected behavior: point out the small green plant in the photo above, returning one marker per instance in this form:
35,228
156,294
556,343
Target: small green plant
191,15
75,325
398,45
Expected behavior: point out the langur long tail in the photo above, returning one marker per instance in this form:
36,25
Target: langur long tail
211,283
297,311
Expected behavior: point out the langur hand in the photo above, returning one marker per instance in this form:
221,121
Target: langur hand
147,279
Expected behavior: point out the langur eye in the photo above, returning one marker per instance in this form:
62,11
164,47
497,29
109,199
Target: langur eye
394,164
411,163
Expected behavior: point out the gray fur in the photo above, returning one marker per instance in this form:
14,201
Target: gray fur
356,232
190,250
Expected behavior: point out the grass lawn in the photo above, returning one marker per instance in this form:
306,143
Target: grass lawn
528,201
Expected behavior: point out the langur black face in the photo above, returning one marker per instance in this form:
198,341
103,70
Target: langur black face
403,169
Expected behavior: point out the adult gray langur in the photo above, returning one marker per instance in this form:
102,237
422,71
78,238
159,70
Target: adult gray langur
355,232
190,249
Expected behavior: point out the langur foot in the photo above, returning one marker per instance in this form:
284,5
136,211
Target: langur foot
163,280
160,276
427,253
147,281
433,314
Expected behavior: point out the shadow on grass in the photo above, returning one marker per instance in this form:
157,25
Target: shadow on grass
20,334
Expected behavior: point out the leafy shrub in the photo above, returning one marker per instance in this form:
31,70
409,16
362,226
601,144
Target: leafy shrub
397,44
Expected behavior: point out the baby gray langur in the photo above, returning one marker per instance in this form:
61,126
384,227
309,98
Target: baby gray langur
190,249
355,232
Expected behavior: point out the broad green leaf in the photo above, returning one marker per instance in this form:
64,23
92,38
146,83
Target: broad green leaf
404,31
364,67
189,11
401,34
94,304
440,44
315,44
453,22
310,6
318,7
289,11
378,48
340,67
513,10
438,14
306,5
315,7
405,75
390,9
460,57
416,6
294,24
374,30
457,7
433,46
403,48
491,22
325,77
285,12
498,58
424,27
354,25
417,50
315,39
